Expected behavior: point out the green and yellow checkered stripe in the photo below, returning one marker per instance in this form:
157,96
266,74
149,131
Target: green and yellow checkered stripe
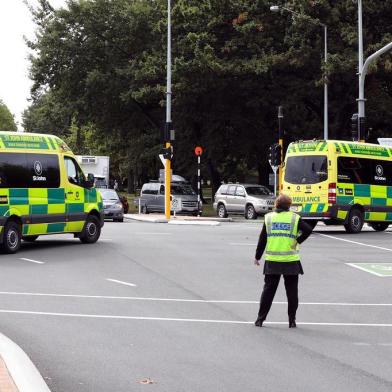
46,211
367,195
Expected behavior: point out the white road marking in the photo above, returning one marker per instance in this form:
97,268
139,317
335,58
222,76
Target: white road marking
241,244
121,282
188,320
356,265
355,242
184,300
32,261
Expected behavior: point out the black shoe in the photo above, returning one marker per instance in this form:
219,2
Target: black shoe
259,323
292,324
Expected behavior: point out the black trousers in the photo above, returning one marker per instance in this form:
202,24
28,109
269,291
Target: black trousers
271,283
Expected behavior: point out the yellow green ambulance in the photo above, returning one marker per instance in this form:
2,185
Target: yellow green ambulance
44,191
340,182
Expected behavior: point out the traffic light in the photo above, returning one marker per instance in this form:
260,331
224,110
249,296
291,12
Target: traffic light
167,153
275,155
271,156
354,126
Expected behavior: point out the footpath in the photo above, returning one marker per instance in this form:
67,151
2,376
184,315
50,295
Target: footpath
178,219
17,372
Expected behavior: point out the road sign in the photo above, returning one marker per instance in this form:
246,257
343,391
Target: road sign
176,204
378,269
163,160
198,151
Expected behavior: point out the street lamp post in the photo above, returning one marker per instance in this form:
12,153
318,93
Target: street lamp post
167,133
277,8
361,97
362,72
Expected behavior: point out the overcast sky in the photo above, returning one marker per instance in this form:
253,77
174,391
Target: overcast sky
15,22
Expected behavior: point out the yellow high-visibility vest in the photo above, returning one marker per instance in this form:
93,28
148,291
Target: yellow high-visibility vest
282,233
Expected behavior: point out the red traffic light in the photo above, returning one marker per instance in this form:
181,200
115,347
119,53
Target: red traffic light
198,151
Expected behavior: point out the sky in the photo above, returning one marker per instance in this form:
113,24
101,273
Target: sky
15,22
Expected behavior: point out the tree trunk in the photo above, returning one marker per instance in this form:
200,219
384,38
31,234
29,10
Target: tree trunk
215,176
263,170
131,181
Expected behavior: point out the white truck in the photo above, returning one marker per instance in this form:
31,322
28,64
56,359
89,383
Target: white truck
98,165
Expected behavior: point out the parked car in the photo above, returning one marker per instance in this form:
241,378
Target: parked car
152,198
113,208
247,199
100,182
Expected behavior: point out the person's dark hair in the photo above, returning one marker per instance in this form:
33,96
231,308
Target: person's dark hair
283,202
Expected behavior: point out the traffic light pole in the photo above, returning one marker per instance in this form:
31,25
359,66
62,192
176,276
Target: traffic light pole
275,170
280,136
168,115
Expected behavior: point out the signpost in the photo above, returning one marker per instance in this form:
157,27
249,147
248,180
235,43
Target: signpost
198,152
176,205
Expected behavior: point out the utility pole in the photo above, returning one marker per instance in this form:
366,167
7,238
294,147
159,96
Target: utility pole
361,98
168,125
325,83
362,72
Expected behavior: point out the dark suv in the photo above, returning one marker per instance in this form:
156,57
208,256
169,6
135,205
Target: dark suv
152,198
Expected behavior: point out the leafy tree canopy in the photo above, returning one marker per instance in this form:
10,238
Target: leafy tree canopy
100,66
7,121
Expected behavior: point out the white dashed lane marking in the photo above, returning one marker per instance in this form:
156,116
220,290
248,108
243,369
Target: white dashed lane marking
32,261
121,282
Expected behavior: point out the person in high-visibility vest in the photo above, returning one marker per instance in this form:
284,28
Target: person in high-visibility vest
282,231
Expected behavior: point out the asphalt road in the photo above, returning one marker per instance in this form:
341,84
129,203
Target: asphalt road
176,305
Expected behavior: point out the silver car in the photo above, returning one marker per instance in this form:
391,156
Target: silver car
112,205
247,199
152,198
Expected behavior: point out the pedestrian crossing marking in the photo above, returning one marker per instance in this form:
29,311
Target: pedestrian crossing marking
378,269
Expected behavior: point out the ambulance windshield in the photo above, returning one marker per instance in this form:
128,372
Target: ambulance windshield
306,169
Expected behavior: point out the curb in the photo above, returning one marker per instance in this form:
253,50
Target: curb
140,218
189,222
20,367
178,220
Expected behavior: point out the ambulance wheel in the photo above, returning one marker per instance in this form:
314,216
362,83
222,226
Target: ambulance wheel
144,210
12,237
91,231
379,226
250,212
29,238
221,211
354,222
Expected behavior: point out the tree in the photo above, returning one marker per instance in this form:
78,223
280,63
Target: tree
7,121
103,64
